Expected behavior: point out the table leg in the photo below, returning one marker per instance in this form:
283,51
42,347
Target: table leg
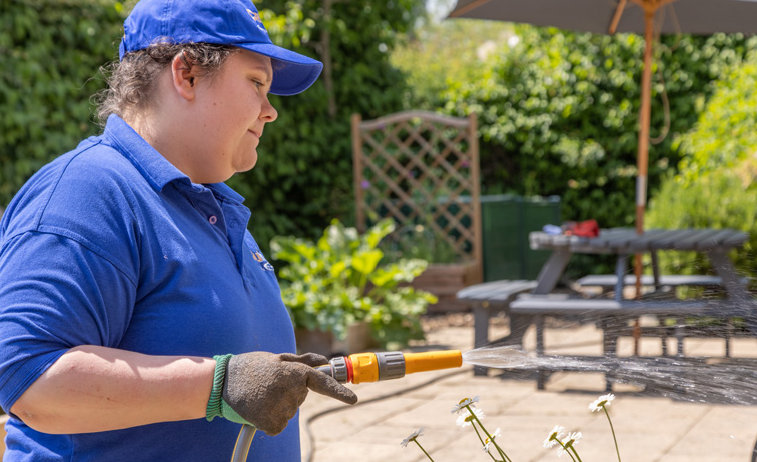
655,270
541,380
734,287
609,346
551,271
548,277
481,316
620,275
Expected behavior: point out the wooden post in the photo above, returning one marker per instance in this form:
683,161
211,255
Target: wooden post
357,171
642,160
478,252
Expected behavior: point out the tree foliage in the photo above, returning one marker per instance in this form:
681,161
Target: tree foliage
558,112
50,52
304,174
716,185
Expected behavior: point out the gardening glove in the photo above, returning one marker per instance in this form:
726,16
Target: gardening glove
264,389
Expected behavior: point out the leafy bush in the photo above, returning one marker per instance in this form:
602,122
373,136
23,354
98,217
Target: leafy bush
558,111
340,279
50,53
51,50
304,174
716,185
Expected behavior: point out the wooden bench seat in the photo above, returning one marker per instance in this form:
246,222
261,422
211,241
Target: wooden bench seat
612,315
675,280
557,306
496,292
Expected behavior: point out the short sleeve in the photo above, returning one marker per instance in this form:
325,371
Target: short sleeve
55,294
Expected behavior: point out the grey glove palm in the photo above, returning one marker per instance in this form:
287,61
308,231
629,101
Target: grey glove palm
266,389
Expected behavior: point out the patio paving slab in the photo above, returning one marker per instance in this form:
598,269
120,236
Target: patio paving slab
650,427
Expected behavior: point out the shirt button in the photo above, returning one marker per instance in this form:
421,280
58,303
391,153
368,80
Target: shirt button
212,219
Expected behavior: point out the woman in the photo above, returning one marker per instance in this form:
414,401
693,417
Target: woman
134,304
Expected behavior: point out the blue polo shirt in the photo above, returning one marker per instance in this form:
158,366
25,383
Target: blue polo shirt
111,245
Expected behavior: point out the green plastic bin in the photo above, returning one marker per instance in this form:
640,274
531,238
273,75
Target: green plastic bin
506,221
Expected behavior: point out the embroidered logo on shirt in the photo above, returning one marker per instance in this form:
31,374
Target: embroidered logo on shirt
258,257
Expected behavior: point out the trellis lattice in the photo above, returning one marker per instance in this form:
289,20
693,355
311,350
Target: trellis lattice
419,167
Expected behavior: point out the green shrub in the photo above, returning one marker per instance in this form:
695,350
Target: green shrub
304,174
51,50
50,53
558,112
716,185
341,279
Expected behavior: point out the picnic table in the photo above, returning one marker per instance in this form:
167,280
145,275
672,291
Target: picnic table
529,302
612,314
623,242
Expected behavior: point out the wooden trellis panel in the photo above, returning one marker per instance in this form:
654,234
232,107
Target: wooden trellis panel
420,167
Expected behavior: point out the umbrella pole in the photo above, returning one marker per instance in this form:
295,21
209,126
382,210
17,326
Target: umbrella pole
642,158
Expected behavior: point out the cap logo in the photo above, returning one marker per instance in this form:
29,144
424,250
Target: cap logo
256,19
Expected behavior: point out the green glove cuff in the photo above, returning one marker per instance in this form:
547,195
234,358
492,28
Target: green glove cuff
213,409
217,407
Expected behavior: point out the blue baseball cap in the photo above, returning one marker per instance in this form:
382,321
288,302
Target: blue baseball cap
224,22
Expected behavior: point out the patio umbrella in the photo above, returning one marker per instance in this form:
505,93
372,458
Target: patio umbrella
701,17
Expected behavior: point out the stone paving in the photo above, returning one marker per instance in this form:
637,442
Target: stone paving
650,426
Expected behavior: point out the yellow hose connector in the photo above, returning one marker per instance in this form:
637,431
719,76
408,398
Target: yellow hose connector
365,367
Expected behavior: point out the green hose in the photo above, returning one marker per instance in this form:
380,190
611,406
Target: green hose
244,440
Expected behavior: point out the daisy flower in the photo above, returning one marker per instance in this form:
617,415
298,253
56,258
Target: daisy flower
466,420
463,403
601,402
572,439
413,436
554,435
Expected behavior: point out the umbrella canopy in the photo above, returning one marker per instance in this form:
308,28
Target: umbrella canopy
699,17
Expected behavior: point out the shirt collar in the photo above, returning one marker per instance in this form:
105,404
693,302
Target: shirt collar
156,169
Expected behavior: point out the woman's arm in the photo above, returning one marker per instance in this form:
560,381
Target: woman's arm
94,388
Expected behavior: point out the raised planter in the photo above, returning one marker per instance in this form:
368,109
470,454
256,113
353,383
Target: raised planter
444,281
358,339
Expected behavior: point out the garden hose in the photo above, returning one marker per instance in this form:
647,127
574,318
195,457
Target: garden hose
242,446
367,367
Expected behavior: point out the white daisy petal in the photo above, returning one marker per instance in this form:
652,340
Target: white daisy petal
412,437
463,403
554,435
601,402
466,419
572,438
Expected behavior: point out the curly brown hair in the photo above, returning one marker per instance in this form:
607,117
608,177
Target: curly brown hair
131,81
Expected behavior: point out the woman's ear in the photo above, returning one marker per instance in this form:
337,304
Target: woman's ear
183,76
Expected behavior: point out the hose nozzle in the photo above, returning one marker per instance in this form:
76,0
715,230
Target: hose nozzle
373,367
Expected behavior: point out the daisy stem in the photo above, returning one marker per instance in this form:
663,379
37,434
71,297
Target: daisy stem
565,449
488,436
612,429
486,432
424,451
501,452
576,453
473,424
